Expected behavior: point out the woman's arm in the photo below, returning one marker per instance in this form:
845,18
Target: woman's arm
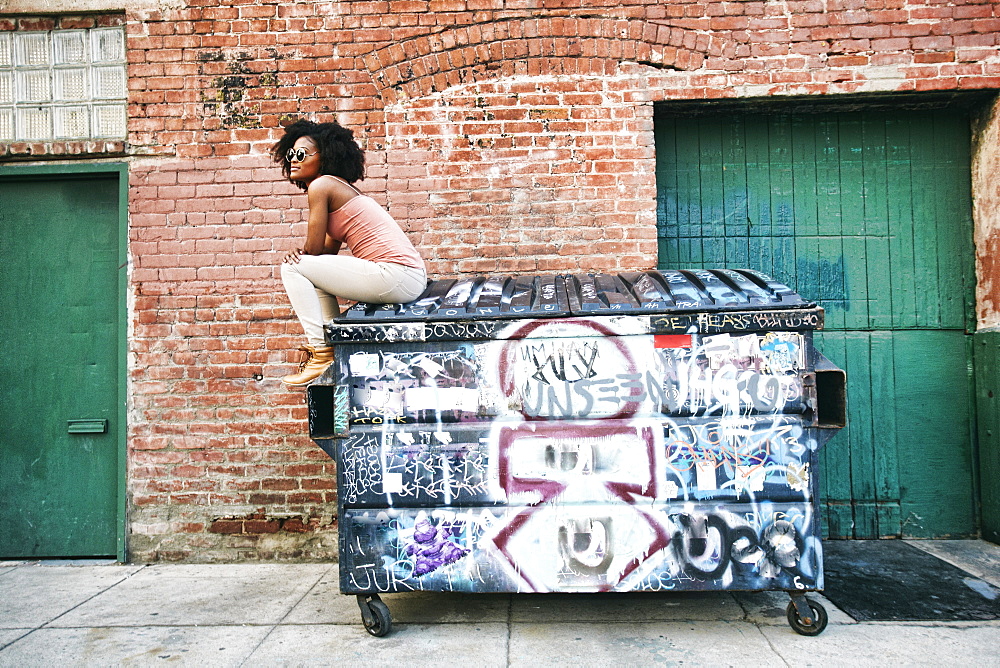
332,246
325,195
319,192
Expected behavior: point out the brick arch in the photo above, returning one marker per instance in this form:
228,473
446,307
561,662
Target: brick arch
534,46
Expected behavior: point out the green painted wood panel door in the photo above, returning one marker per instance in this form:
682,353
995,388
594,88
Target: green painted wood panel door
59,478
869,214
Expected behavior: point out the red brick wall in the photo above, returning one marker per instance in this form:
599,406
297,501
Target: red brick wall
505,136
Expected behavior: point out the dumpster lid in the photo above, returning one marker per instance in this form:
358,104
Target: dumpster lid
563,295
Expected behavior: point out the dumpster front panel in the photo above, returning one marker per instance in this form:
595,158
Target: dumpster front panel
639,432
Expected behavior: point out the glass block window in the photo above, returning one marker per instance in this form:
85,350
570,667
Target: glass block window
62,85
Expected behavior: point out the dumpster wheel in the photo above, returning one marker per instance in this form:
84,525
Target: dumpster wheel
375,615
811,625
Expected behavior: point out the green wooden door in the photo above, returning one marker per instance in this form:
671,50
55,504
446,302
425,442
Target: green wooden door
59,400
869,214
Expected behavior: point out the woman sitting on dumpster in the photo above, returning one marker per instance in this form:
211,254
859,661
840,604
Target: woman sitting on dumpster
324,160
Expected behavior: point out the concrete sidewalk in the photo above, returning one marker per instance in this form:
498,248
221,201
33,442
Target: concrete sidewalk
100,614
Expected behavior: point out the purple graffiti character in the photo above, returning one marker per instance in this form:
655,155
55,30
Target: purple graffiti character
431,548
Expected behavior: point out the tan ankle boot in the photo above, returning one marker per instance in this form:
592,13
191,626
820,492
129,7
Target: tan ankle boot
318,359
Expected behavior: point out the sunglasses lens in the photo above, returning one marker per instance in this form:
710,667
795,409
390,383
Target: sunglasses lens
298,154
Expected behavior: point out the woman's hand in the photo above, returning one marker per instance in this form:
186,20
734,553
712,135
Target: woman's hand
293,257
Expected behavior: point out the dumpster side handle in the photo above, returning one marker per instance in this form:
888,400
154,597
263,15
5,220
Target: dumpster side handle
831,394
328,411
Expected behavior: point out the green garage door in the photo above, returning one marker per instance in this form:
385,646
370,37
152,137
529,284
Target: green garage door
60,402
869,214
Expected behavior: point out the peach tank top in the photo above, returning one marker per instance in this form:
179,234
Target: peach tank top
372,234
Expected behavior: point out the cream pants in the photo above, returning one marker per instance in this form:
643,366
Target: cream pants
315,281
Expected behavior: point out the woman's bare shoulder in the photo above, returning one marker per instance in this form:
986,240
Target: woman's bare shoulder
327,184
337,191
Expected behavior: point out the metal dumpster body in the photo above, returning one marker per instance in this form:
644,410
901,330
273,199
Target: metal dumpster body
653,431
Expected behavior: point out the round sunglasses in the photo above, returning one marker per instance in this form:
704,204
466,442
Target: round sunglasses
297,154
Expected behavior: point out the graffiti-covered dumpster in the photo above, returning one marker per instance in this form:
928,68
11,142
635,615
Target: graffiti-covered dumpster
646,431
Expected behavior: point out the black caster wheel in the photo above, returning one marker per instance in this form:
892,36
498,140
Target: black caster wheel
817,623
375,615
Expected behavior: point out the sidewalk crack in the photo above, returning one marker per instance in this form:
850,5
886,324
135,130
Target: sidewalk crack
285,616
69,610
770,644
91,598
510,624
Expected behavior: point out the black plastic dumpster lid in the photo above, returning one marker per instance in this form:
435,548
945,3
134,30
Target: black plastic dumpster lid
541,296
474,297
